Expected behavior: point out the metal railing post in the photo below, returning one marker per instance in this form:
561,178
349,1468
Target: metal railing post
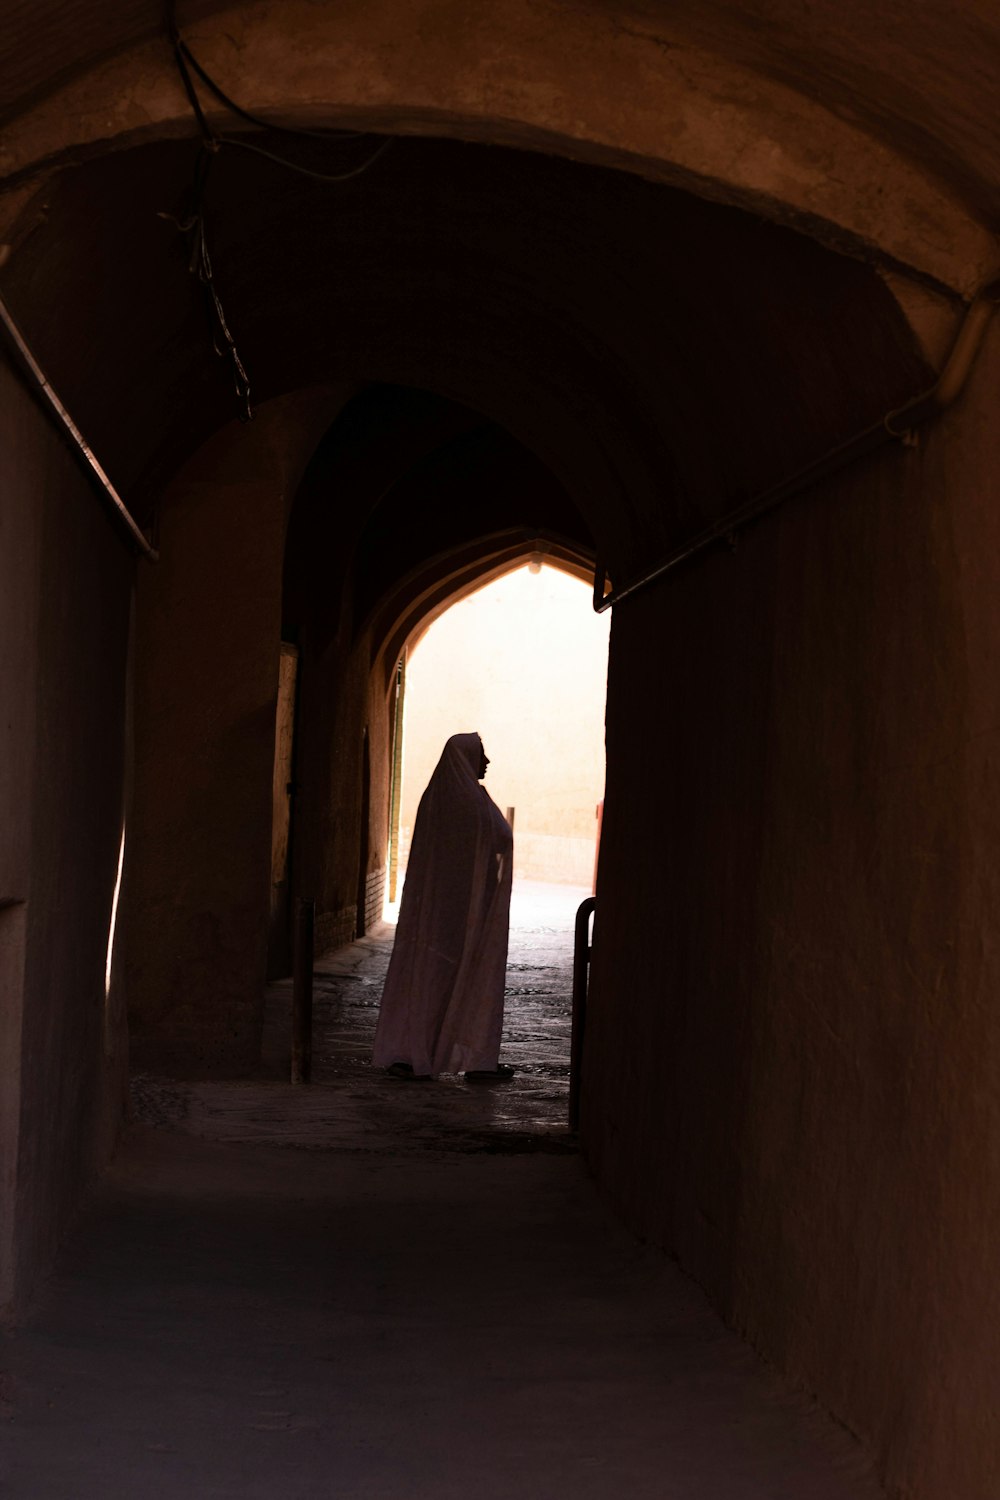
581,969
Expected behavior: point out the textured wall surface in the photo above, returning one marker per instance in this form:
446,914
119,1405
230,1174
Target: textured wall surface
208,645
791,1076
207,662
66,586
340,698
792,1063
760,105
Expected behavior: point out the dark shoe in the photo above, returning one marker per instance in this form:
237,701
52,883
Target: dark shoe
502,1073
405,1070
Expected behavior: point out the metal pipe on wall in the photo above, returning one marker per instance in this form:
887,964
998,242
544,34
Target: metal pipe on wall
120,510
896,426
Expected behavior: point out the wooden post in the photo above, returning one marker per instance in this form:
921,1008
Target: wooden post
302,989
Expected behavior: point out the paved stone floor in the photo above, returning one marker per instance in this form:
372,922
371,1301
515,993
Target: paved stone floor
353,1106
373,1290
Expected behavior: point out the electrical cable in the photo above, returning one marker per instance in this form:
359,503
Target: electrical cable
244,114
184,56
898,425
190,90
193,223
242,145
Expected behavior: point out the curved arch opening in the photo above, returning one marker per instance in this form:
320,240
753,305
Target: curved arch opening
521,657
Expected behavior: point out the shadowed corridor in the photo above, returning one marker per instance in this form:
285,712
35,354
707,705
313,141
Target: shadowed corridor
695,302
380,1290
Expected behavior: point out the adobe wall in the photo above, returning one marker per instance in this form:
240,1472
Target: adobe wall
742,108
793,1051
206,688
209,627
65,591
340,697
207,649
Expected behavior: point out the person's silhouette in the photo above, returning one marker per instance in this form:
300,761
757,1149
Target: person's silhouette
442,1005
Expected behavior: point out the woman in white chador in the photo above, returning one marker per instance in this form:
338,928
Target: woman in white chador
442,1006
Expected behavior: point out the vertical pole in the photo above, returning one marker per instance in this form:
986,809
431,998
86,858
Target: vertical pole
396,785
599,815
302,989
581,965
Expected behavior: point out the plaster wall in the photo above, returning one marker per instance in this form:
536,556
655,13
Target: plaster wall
793,1087
208,648
20,543
751,108
341,696
65,596
209,630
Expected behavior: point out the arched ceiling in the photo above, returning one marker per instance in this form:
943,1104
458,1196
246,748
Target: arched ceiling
656,353
872,126
410,499
645,247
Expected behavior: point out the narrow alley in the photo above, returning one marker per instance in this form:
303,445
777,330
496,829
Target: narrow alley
377,1290
320,323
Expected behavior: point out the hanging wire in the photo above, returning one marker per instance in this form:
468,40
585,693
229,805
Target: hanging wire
180,53
193,223
244,114
200,264
185,56
243,145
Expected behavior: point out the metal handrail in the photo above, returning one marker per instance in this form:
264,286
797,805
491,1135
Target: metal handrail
896,426
581,967
119,509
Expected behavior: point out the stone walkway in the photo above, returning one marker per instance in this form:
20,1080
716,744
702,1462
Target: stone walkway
353,1106
372,1290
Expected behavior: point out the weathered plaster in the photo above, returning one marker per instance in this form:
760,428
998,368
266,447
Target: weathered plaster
525,75
815,848
20,541
65,602
208,641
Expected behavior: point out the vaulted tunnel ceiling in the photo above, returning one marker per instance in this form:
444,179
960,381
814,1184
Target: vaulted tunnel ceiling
409,488
920,77
655,353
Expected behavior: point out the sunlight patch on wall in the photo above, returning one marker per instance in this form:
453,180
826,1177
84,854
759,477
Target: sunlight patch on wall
114,917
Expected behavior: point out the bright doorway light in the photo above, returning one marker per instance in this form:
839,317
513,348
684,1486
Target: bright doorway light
523,661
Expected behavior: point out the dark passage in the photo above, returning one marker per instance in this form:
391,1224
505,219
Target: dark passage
426,1298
